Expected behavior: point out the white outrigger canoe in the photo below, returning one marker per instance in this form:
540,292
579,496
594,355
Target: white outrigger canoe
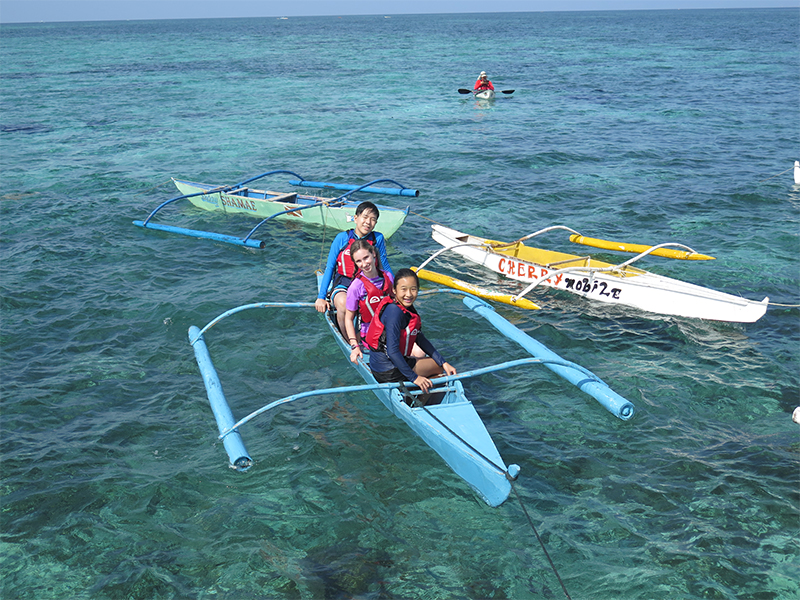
601,281
337,213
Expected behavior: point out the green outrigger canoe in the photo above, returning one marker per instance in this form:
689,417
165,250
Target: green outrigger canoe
336,213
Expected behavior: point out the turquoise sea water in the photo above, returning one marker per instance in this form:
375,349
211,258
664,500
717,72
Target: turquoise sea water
644,126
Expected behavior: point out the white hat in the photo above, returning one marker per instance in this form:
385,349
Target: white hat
482,74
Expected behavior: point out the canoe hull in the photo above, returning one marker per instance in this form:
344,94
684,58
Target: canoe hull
485,95
263,204
636,288
444,427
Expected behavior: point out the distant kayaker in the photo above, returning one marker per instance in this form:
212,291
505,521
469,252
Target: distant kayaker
340,266
483,83
392,333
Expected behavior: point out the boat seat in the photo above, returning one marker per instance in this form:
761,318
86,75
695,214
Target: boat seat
291,197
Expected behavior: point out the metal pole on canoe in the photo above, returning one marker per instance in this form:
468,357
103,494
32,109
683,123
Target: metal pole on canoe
401,191
215,190
252,179
595,387
283,212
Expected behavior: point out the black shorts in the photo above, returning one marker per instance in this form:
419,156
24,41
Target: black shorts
394,375
340,282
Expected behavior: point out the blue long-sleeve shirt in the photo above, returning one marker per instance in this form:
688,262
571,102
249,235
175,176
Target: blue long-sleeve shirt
394,321
340,243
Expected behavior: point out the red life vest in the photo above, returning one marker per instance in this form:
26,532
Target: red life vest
366,306
344,263
376,338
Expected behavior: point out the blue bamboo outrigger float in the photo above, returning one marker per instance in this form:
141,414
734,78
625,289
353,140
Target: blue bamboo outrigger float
453,428
336,213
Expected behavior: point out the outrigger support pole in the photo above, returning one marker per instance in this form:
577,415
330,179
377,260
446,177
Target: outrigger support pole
575,374
402,191
438,384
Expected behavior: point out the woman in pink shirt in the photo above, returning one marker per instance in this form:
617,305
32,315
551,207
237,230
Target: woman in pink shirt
367,289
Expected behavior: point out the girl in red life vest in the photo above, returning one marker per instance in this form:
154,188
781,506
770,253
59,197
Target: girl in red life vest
391,336
368,288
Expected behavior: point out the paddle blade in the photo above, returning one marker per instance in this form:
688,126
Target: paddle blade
507,91
637,248
463,91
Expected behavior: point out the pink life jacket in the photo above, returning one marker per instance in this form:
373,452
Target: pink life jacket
366,306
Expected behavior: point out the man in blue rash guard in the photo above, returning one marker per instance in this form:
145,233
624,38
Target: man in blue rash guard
340,266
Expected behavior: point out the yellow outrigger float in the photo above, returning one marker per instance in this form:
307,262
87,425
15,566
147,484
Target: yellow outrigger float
480,292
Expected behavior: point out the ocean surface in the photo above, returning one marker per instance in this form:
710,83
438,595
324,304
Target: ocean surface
651,126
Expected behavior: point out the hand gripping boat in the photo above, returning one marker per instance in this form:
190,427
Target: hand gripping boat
601,281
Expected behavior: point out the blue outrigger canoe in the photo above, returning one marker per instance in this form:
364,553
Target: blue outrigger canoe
453,428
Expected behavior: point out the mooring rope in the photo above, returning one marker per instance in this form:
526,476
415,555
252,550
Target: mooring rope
538,537
158,185
516,493
322,246
778,175
465,442
784,305
411,212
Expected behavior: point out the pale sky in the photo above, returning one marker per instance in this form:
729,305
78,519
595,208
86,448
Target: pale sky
32,11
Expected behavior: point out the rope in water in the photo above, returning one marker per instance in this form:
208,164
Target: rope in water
516,493
158,185
411,212
541,542
778,175
322,245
